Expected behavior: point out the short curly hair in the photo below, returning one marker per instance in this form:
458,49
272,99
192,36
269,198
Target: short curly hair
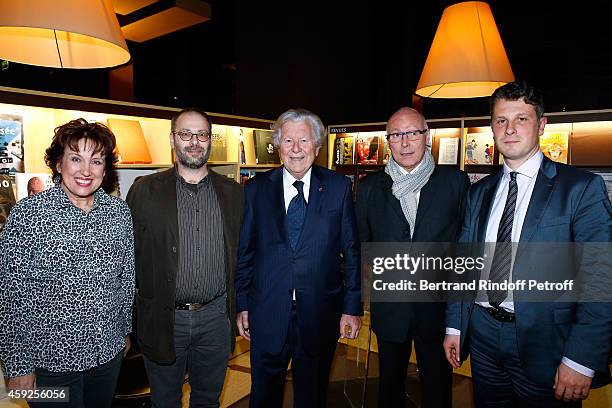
70,134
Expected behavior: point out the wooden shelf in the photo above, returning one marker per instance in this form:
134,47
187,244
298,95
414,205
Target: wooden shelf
259,166
144,166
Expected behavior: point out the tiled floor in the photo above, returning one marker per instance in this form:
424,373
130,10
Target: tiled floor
346,385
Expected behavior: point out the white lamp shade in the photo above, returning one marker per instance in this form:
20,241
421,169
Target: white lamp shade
467,58
61,33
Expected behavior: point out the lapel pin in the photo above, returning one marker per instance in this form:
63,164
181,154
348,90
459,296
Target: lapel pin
320,189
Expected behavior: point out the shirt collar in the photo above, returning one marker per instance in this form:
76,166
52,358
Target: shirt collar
529,169
204,181
288,179
58,197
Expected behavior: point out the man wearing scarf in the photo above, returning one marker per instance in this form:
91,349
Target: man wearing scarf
412,200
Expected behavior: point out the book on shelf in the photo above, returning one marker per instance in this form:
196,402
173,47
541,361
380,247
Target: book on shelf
246,174
386,149
28,184
474,177
448,150
265,151
11,144
479,149
367,147
554,145
127,177
343,149
7,198
218,143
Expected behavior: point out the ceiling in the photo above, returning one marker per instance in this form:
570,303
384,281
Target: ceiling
349,61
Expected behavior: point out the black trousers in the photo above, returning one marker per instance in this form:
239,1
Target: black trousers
93,388
435,373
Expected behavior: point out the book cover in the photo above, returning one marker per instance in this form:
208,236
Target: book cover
7,198
343,150
218,143
479,148
554,145
32,183
448,150
11,144
127,177
386,149
366,148
474,177
265,151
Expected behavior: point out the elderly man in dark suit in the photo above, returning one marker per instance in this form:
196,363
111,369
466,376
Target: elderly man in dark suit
532,354
186,226
293,302
412,200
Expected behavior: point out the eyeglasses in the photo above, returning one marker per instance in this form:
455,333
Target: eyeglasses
411,135
187,136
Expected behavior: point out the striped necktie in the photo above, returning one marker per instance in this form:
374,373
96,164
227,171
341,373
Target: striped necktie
500,268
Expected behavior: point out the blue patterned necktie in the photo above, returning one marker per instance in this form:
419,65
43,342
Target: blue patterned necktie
296,214
500,268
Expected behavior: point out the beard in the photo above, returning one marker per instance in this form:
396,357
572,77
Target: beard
192,162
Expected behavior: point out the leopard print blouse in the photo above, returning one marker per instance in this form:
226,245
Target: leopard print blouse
66,283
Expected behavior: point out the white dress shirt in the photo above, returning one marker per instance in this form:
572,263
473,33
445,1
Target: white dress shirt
525,179
289,190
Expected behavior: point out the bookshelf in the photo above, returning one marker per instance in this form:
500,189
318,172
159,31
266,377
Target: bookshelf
142,133
580,138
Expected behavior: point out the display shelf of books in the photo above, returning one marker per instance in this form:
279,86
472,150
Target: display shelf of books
581,138
359,149
28,118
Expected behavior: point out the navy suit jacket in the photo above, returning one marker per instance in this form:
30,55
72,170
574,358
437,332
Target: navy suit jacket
567,205
268,269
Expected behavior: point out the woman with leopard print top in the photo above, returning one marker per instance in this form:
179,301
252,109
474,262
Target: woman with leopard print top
67,274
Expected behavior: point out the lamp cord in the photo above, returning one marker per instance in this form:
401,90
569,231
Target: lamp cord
58,50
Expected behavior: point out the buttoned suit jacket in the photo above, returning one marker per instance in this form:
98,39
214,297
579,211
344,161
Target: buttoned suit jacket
567,205
438,219
269,269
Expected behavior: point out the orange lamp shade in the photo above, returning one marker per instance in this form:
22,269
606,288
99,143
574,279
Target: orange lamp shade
467,58
131,144
61,33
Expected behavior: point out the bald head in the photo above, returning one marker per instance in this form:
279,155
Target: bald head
405,114
408,151
35,186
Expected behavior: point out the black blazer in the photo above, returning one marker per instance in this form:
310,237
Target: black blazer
152,200
439,217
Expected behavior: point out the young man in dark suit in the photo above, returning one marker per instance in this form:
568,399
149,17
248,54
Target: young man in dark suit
536,353
412,200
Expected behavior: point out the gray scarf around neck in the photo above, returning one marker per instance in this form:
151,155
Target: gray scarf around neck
406,186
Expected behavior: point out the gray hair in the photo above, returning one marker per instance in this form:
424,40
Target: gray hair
300,115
